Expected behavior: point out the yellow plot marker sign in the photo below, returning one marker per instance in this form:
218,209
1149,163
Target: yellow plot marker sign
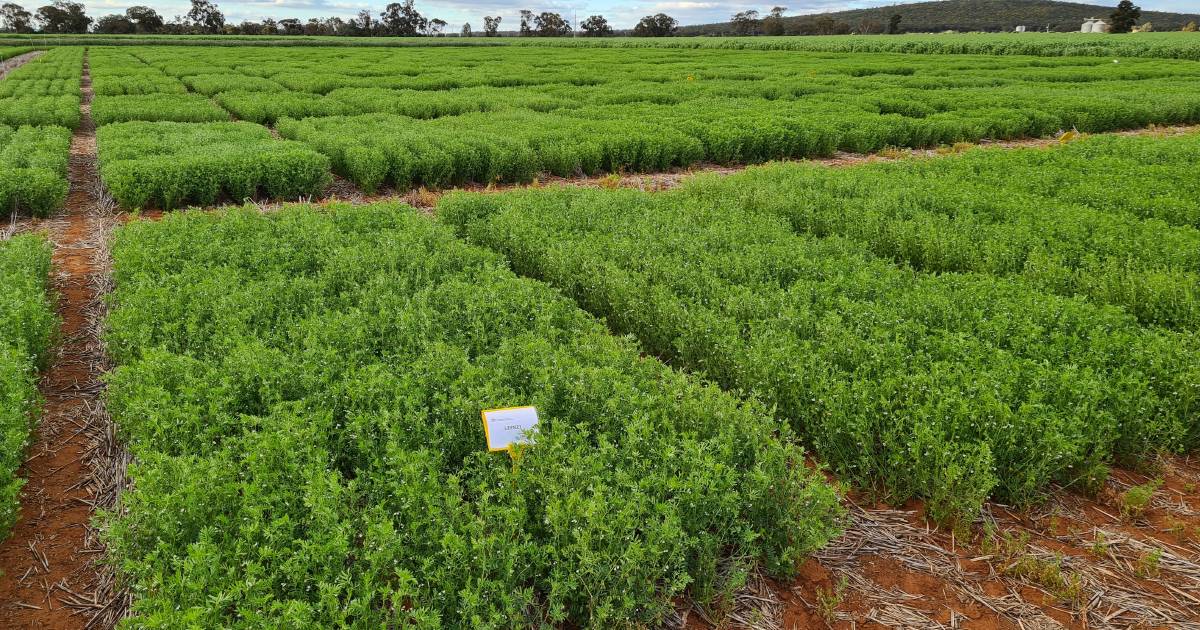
508,426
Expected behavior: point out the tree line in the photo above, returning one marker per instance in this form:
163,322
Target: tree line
398,19
402,19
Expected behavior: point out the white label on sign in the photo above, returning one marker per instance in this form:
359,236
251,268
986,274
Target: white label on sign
505,427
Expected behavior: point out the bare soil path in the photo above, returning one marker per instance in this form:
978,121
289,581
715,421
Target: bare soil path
49,579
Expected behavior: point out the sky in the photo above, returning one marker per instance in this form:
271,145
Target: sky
620,13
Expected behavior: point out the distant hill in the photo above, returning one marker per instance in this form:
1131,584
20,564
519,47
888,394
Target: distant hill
957,15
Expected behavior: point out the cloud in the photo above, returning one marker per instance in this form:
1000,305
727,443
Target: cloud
685,6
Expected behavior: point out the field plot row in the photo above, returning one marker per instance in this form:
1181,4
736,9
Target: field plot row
27,323
33,169
39,105
1112,218
441,117
169,164
302,394
44,91
316,456
14,51
163,146
953,387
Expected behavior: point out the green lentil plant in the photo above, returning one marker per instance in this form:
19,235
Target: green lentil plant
302,393
1148,564
61,111
27,323
1003,213
652,108
267,107
156,107
1134,502
209,84
33,165
168,164
952,387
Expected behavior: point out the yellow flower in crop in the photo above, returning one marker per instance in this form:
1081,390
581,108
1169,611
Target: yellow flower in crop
691,78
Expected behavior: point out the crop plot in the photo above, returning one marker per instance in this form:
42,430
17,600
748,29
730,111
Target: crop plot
14,51
39,104
317,469
1157,45
162,146
27,323
33,168
436,118
156,107
15,86
375,149
58,63
1148,178
115,71
267,107
941,386
167,164
40,92
1068,220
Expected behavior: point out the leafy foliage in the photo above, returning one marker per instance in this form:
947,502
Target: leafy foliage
44,91
210,84
61,111
953,387
63,16
167,164
1161,45
377,148
38,87
595,26
597,109
56,63
1154,45
316,457
1077,220
54,73
118,72
33,169
27,323
149,82
1125,17
657,25
14,51
267,107
156,107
